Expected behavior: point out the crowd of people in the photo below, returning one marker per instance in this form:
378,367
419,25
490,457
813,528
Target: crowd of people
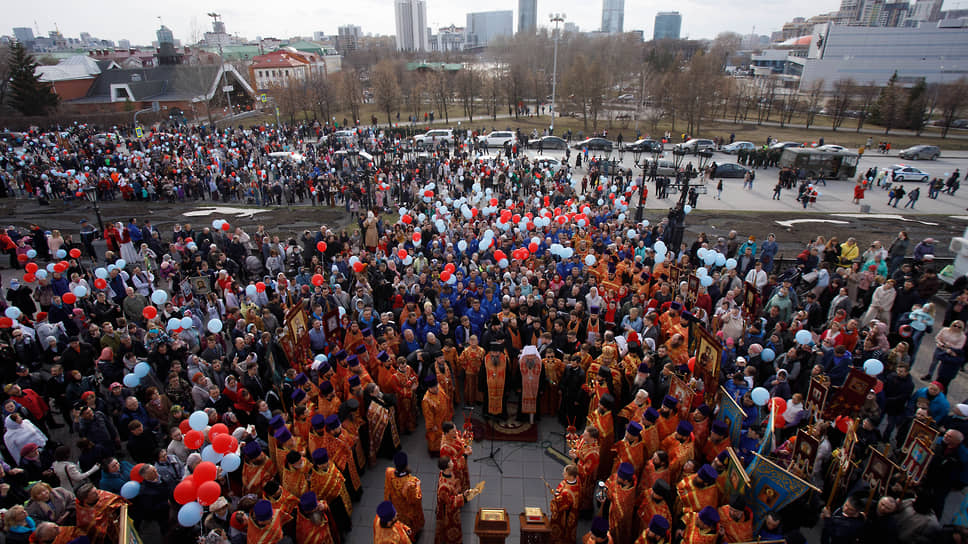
239,380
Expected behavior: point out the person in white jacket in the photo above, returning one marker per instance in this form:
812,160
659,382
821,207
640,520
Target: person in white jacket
67,472
757,276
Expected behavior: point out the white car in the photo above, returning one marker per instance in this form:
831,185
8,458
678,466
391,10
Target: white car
498,138
434,137
908,173
736,147
832,147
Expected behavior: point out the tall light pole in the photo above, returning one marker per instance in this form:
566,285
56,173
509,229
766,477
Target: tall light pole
556,18
228,97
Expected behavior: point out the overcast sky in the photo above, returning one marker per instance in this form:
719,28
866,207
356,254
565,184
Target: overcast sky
137,21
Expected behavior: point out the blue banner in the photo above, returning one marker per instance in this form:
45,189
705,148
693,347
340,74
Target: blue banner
733,415
771,488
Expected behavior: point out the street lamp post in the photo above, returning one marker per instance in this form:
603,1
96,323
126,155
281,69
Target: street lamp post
228,97
556,18
91,193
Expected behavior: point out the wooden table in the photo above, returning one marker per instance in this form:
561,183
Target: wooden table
491,532
535,532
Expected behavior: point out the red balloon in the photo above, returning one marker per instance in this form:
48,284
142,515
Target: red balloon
150,312
221,443
358,267
692,364
217,429
205,472
450,268
234,444
493,202
69,298
429,194
60,268
6,322
416,237
194,440
516,218
225,226
532,247
321,246
75,253
189,240
134,473
402,254
30,278
185,491
101,283
260,287
22,257
474,212
406,219
318,279
444,276
523,254
208,493
185,427
499,255
31,267
778,404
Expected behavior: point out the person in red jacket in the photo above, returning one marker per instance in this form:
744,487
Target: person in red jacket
34,403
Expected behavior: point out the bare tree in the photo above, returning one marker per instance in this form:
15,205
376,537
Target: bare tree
953,97
843,97
814,96
469,85
351,92
386,89
440,89
323,96
865,94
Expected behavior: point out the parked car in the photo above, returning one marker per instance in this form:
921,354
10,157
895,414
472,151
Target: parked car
550,163
784,145
645,145
918,152
498,138
736,147
548,142
665,167
832,147
908,173
594,144
695,145
434,137
626,97
730,170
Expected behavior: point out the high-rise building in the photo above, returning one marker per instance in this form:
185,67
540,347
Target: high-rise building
411,17
613,16
570,28
348,38
124,44
527,16
484,26
928,11
23,34
667,25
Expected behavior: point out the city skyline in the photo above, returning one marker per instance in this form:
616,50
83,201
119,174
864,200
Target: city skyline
249,19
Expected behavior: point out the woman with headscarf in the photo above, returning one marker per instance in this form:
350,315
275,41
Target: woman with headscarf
881,303
19,433
594,300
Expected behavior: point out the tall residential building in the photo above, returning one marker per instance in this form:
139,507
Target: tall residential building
928,11
667,25
527,16
613,16
484,26
411,17
124,44
348,38
23,34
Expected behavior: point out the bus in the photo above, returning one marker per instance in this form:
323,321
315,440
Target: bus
812,163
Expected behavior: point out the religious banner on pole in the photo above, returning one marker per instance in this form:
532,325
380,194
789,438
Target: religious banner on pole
878,472
731,414
692,291
709,354
916,461
679,389
919,430
749,299
735,480
805,451
849,398
772,488
817,396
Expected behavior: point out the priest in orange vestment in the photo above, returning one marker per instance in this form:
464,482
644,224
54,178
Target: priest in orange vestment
401,487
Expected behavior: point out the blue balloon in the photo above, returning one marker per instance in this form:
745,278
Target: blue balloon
215,326
701,271
13,312
41,274
730,264
31,253
760,396
804,337
660,257
186,322
60,254
873,367
320,358
198,420
251,290
142,369
121,263
159,296
687,208
706,281
209,454
80,291
720,259
131,380
190,514
231,462
101,273
174,323
768,355
130,490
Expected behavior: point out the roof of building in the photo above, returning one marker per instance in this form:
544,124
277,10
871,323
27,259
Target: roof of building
75,67
163,83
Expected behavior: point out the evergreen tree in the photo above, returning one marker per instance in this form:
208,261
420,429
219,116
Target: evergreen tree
917,98
28,94
888,110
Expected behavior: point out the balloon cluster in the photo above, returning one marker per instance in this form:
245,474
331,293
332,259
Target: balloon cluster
201,488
